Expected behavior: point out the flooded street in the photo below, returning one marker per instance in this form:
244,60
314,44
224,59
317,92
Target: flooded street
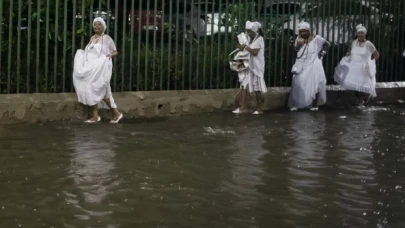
333,168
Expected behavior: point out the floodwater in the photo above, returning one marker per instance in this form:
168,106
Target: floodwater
333,168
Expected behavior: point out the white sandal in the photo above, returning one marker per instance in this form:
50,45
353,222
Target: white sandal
93,121
118,120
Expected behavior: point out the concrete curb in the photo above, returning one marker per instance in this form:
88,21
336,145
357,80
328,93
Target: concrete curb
16,108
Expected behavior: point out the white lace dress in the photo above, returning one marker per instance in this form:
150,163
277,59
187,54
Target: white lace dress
357,71
92,72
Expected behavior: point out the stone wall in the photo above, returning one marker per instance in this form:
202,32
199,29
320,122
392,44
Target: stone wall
64,107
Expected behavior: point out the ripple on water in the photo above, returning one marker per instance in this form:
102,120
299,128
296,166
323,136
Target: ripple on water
276,170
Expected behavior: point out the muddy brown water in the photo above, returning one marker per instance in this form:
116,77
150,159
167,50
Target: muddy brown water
333,168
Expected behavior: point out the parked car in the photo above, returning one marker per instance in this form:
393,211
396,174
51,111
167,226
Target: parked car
214,17
276,16
339,26
335,20
183,15
145,19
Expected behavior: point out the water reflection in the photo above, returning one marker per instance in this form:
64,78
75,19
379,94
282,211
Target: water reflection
306,163
246,172
299,169
92,163
356,171
275,197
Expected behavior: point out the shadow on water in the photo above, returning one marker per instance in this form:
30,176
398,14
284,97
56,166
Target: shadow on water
333,168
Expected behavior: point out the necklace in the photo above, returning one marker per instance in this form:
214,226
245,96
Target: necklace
305,49
306,41
93,41
96,38
360,44
257,36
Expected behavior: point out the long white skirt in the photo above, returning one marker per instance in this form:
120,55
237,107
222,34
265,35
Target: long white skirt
251,82
307,84
91,78
356,75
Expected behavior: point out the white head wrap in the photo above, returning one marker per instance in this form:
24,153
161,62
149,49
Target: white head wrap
304,25
254,26
99,19
361,28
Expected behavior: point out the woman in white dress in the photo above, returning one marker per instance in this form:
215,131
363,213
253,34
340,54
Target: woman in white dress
92,73
254,74
308,89
356,71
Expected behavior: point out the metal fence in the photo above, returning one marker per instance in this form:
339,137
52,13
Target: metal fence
183,44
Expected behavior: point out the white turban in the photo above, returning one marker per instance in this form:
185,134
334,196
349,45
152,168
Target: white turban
99,19
254,26
304,25
361,28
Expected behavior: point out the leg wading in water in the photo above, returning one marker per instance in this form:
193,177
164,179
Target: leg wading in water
362,98
315,103
94,114
242,101
259,103
115,113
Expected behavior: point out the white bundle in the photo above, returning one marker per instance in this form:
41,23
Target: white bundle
243,39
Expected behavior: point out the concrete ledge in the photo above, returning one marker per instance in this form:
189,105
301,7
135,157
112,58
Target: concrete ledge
64,106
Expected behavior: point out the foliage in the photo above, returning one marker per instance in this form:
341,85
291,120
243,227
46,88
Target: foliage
237,14
44,60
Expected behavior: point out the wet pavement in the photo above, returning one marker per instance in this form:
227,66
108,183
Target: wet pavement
332,168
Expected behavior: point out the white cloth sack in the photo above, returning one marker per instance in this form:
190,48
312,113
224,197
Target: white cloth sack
243,39
241,60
